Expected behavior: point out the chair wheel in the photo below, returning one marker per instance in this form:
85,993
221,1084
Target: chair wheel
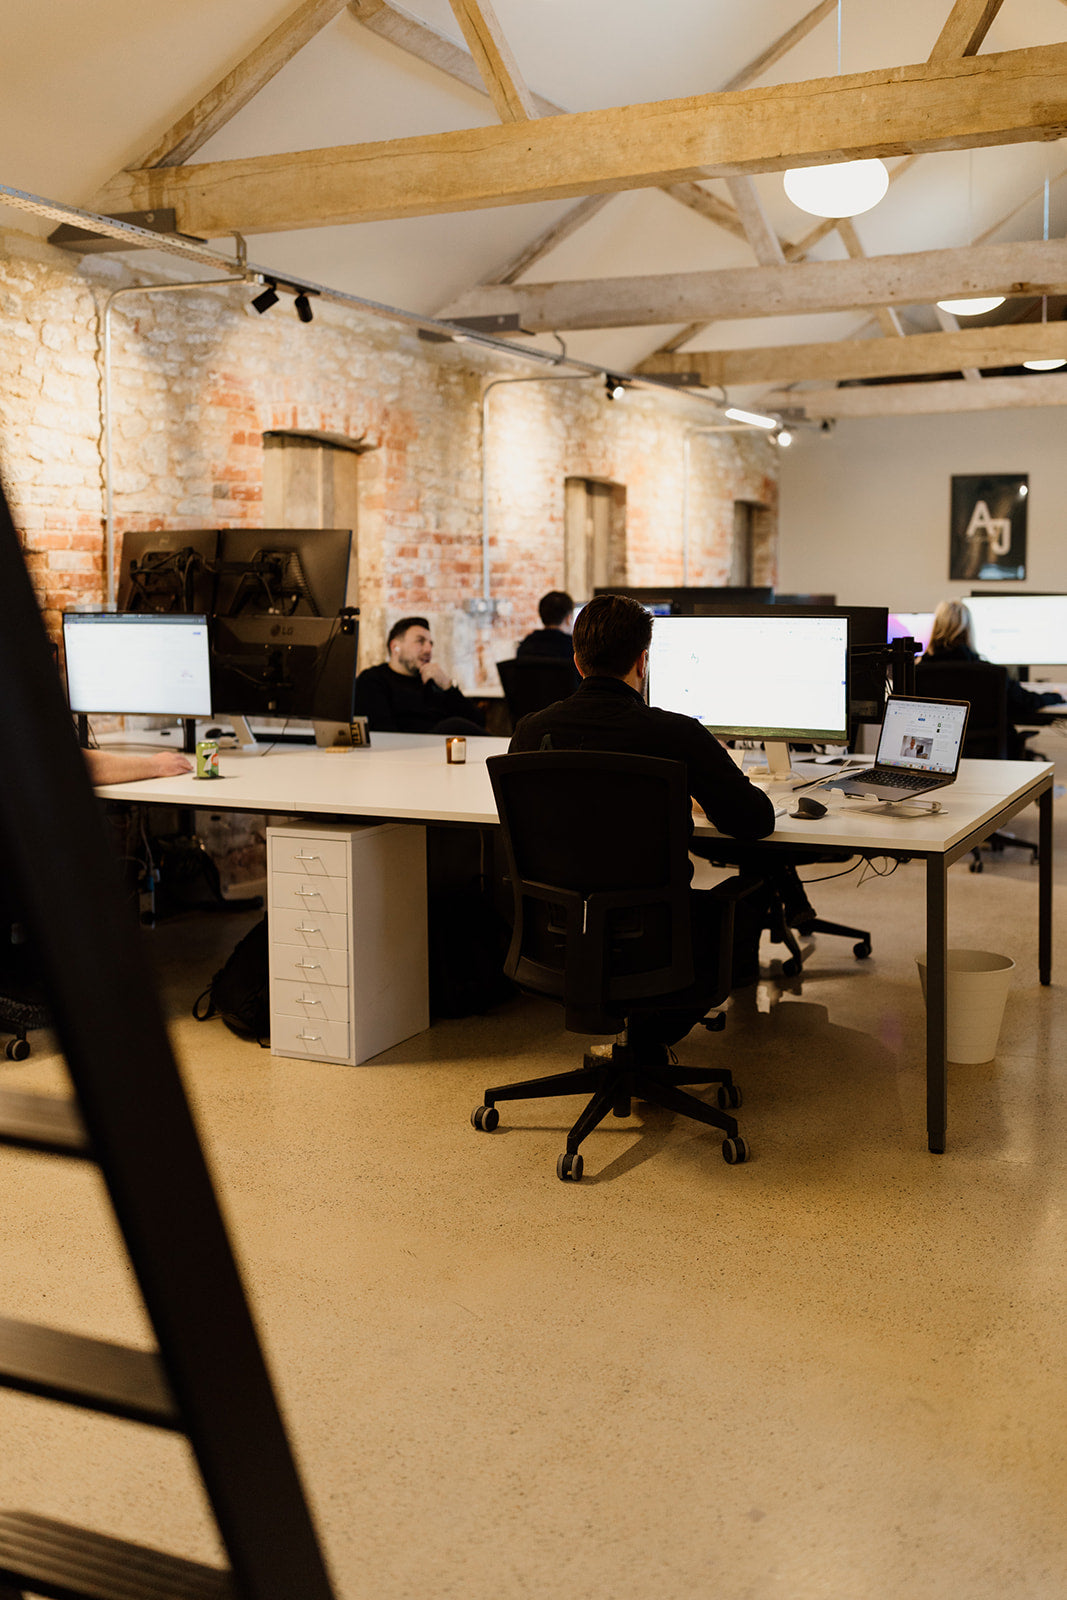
729,1097
791,967
485,1118
862,950
569,1167
976,866
17,1049
734,1151
716,1023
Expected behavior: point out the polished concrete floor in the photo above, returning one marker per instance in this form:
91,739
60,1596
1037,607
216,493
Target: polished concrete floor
835,1371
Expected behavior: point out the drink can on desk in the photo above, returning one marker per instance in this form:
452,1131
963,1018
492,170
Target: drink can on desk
455,749
207,758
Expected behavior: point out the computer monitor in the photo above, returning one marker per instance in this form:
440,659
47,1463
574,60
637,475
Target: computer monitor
1020,630
803,599
916,625
868,659
295,572
138,664
765,675
301,668
168,570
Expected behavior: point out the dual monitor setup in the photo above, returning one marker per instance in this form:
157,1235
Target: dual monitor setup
794,668
224,623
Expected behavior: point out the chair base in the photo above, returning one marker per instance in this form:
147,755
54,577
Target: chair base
614,1083
999,842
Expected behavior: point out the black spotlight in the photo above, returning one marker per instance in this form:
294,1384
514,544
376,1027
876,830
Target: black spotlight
266,299
303,308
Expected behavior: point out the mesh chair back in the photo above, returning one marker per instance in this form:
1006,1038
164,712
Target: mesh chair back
531,683
597,850
985,685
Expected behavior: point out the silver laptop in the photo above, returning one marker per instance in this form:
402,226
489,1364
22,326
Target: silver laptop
919,749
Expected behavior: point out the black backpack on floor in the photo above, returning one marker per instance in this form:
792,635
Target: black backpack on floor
238,993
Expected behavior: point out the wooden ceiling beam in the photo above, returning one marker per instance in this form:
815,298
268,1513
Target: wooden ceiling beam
922,399
429,44
1017,96
1031,267
965,29
496,64
845,359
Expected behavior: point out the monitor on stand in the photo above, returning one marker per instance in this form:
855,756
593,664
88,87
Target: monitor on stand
168,570
766,675
134,664
1020,630
295,668
290,572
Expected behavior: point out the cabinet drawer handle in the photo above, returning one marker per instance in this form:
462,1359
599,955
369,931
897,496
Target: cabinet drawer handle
302,855
309,894
310,1000
310,1038
301,929
309,966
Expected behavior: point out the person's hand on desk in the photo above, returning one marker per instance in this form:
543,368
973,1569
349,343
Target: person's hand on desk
112,766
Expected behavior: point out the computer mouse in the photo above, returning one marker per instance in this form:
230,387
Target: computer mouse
808,808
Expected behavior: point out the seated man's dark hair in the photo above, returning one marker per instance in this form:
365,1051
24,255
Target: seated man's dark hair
610,634
554,607
402,627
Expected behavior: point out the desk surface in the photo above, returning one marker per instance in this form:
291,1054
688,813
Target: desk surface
405,777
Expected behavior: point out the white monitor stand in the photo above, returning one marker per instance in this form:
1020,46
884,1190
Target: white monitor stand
778,763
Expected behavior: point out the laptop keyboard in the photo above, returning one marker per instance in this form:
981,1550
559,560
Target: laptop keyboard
902,780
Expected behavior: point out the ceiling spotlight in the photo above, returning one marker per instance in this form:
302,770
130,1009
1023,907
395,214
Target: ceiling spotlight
615,389
784,437
1048,365
755,419
268,298
303,308
973,307
842,189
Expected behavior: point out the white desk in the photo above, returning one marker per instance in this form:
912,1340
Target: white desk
406,778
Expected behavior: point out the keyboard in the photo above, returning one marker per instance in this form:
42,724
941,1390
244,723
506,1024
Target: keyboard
899,780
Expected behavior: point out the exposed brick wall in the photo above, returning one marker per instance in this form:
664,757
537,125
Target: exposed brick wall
196,381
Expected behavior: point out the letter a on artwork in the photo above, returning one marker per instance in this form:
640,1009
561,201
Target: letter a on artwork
997,528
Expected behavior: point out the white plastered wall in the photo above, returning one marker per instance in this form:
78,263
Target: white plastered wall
864,511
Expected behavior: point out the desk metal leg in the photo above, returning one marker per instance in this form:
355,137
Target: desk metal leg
936,1013
1044,887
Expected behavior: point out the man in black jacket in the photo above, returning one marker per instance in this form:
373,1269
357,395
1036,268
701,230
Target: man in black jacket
608,712
553,637
411,692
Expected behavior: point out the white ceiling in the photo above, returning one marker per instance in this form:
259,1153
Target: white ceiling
86,90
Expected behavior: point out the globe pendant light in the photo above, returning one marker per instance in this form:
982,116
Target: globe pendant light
843,188
974,306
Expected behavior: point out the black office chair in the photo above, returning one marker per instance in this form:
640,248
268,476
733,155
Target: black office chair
597,853
531,683
989,729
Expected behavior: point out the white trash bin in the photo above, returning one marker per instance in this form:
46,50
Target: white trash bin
977,992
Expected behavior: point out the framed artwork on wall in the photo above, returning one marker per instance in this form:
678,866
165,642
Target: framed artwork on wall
987,532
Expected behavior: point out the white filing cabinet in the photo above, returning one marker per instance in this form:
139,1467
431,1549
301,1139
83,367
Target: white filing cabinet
346,910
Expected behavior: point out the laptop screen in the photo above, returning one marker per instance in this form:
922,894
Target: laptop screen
922,735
